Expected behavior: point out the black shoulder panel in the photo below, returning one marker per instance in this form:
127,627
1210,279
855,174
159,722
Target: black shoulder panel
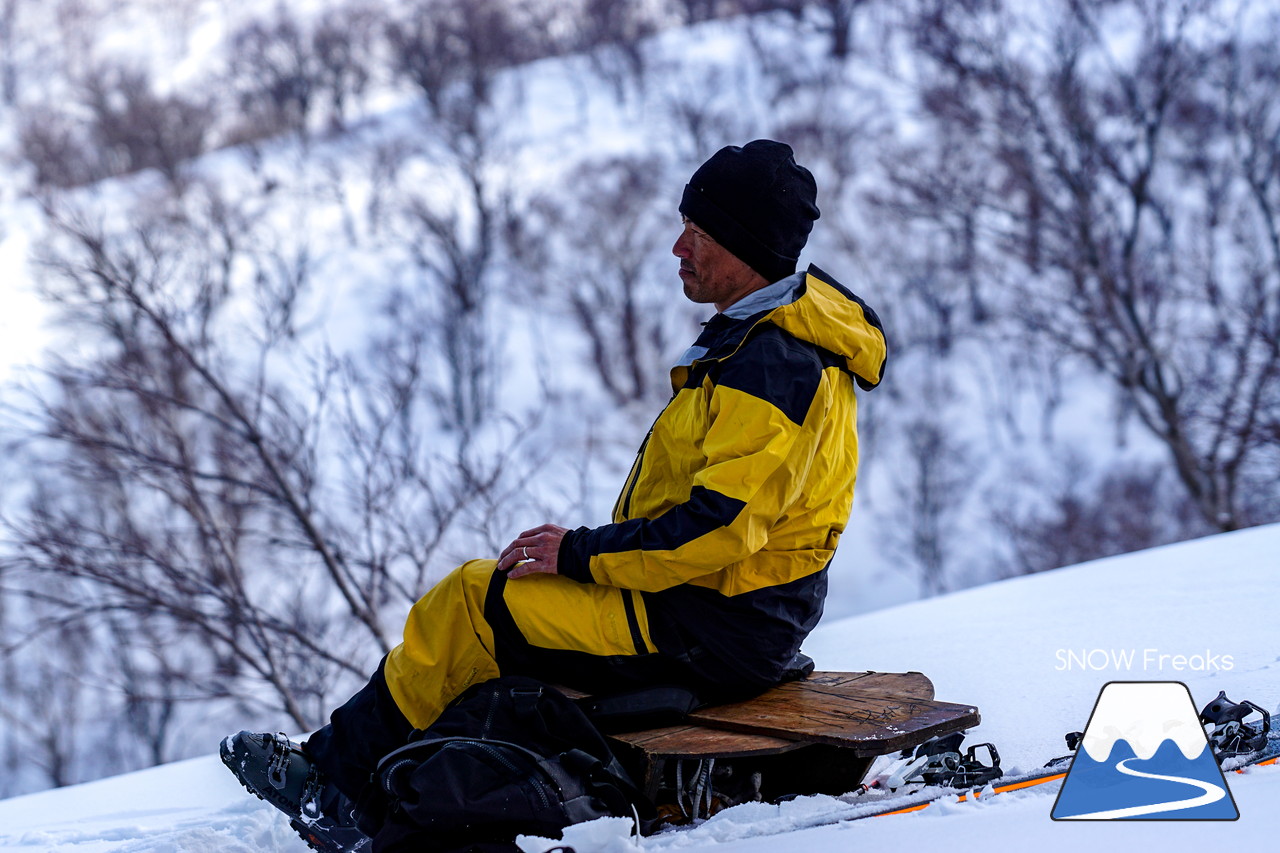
777,368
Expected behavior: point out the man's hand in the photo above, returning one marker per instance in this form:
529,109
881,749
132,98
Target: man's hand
535,550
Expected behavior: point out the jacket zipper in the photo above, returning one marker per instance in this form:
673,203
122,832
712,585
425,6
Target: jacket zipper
635,476
624,502
488,720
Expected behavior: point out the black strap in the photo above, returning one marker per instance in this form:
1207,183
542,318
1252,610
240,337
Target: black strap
642,708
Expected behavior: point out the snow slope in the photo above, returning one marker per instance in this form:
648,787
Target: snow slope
1031,652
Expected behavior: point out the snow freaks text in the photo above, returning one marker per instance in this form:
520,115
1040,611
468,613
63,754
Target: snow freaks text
1143,660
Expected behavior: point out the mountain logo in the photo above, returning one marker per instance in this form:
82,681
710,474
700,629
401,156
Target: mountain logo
1144,756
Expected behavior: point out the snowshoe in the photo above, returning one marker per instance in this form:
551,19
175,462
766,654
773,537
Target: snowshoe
939,762
274,769
1233,735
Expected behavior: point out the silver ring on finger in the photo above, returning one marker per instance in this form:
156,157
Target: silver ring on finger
525,550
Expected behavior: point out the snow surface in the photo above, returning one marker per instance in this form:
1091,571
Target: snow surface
1025,651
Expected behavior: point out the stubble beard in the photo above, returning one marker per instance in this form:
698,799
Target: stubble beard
694,290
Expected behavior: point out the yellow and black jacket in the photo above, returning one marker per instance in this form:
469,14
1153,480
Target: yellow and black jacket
739,494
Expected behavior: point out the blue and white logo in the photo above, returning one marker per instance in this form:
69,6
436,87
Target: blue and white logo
1144,756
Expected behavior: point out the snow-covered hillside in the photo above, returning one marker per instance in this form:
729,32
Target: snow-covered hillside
353,231
1201,612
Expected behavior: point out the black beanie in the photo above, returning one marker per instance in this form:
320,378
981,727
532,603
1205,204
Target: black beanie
757,202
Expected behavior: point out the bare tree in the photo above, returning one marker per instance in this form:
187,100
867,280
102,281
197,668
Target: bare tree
696,11
129,128
611,286
82,698
454,55
832,18
614,35
452,50
1251,73
179,462
276,72
77,24
133,128
840,17
227,508
932,487
1123,249
8,55
44,712
935,476
1090,514
702,117
58,149
177,19
343,43
452,252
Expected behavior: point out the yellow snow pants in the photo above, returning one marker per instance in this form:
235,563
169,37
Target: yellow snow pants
475,625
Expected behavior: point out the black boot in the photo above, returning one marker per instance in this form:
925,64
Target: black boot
274,769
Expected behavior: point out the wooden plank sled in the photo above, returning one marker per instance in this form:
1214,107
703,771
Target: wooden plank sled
816,735
854,715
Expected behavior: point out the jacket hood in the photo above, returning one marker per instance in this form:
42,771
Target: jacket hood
825,313
811,306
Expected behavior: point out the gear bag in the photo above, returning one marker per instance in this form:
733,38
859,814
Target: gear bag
512,756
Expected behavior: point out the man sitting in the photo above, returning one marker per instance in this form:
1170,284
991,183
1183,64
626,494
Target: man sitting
714,567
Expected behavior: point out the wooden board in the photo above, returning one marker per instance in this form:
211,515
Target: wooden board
873,713
845,715
914,684
817,735
702,742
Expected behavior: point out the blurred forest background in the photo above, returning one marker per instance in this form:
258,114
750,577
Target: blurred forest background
346,292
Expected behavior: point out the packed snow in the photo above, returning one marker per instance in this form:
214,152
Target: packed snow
1032,653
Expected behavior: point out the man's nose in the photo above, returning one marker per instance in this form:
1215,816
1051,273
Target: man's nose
681,248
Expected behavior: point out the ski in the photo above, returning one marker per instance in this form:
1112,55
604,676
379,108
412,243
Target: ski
946,773
1014,783
1239,743
1266,756
941,768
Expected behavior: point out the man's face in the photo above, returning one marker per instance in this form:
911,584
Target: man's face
710,272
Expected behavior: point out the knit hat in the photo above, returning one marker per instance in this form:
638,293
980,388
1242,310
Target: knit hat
757,202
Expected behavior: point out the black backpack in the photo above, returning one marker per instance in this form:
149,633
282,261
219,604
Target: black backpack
509,757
